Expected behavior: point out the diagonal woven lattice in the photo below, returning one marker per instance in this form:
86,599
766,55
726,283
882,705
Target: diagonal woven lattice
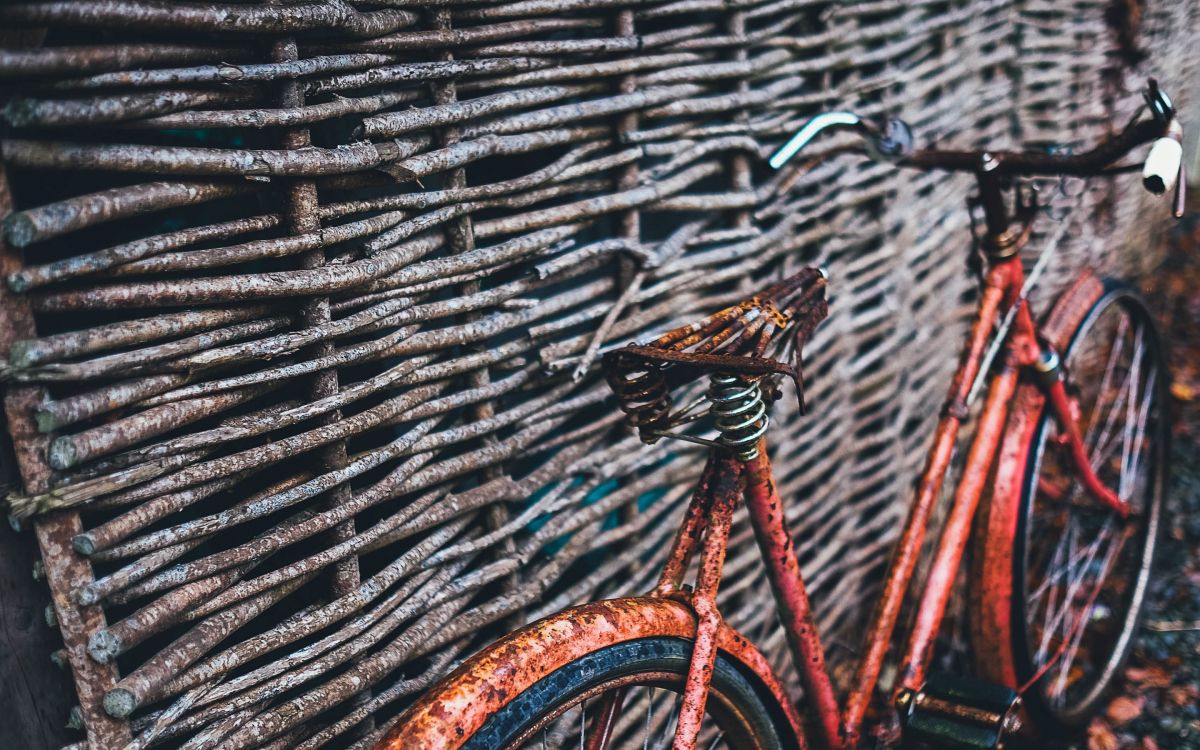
300,294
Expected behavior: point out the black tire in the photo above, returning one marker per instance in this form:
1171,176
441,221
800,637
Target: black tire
738,703
1065,697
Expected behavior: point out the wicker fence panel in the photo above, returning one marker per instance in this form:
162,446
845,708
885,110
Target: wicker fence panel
304,303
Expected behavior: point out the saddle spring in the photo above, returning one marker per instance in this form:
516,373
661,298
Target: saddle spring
739,412
643,395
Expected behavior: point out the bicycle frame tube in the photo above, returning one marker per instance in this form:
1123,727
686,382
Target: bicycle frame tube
1002,290
791,598
998,289
957,530
687,538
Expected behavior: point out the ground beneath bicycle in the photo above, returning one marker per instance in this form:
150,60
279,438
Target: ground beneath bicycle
1159,704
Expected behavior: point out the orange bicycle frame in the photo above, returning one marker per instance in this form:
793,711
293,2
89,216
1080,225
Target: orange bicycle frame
706,525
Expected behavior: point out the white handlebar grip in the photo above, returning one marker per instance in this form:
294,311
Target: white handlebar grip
1161,169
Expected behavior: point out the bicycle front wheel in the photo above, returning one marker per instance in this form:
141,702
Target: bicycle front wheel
1079,571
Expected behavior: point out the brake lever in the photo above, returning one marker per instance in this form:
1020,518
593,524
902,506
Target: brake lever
1159,103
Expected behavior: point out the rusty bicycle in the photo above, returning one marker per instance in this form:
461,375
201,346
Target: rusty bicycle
1060,500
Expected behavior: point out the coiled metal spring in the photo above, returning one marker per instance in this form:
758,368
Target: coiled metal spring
739,412
643,396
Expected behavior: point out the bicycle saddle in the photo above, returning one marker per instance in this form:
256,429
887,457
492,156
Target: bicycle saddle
750,342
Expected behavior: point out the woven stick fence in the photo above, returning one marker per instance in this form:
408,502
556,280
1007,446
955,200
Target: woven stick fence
303,303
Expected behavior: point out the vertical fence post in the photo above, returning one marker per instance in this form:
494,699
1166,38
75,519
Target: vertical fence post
460,234
66,570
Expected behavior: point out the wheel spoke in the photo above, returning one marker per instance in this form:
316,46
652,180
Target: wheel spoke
1048,581
1056,564
672,724
1079,562
1139,437
1124,394
1054,616
649,716
639,712
1102,444
1081,623
1132,404
1053,590
1131,444
1114,353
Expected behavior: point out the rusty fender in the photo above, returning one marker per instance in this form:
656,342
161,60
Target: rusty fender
486,682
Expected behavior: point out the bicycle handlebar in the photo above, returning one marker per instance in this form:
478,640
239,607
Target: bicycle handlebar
1162,170
1033,163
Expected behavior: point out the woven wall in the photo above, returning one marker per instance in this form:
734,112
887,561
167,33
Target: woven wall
307,298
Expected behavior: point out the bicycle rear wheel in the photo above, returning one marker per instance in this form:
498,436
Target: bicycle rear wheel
1078,572
553,683
565,708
